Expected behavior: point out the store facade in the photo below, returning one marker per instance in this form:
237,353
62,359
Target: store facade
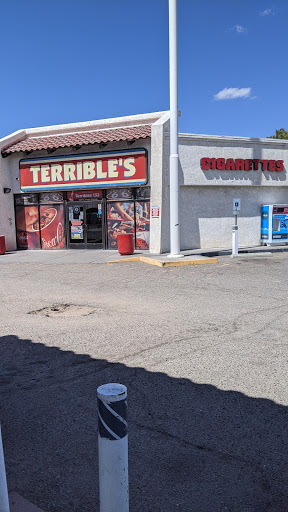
79,185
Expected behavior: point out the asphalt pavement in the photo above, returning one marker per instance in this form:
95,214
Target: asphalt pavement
202,351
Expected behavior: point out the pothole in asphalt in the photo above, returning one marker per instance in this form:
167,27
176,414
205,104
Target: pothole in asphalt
64,310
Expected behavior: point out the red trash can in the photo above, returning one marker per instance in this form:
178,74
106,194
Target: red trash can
2,244
125,243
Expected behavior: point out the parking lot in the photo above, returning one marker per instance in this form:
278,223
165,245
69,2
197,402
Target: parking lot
203,353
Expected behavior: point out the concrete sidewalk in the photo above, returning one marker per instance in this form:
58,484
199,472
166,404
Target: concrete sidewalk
84,256
74,256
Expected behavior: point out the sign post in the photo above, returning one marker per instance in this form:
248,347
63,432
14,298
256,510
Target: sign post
236,211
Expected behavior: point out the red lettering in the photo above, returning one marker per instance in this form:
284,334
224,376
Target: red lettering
279,165
264,164
248,165
230,164
240,164
220,163
256,164
271,165
206,163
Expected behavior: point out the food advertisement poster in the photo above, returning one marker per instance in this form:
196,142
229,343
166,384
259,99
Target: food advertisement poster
122,216
28,237
142,224
120,220
40,227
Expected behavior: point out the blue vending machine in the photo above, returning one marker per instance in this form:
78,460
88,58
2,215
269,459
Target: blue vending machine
274,224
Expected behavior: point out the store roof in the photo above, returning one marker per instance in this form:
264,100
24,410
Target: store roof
79,138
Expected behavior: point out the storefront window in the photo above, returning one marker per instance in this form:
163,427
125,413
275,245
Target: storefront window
120,219
52,226
142,193
91,221
142,224
27,217
128,217
40,226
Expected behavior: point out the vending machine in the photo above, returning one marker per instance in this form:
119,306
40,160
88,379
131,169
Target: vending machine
274,224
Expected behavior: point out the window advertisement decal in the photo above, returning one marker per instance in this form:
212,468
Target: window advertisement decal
27,220
113,169
51,197
120,219
120,193
142,209
26,199
76,223
51,226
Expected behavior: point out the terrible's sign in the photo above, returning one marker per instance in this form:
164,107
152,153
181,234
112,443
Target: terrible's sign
122,168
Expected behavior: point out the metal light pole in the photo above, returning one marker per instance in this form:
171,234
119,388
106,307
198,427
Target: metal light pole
174,158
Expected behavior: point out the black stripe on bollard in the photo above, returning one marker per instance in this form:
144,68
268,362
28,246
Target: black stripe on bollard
112,422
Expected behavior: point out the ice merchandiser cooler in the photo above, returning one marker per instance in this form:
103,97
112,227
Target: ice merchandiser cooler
274,224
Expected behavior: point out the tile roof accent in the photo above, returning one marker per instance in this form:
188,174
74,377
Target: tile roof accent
79,139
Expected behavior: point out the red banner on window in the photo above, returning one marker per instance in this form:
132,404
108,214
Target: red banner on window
123,168
84,195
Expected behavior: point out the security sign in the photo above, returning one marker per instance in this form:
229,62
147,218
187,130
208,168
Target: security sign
236,206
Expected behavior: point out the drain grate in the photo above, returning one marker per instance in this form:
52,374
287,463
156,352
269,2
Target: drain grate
65,310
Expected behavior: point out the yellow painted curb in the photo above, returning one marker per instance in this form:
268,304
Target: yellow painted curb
151,261
178,263
136,258
159,263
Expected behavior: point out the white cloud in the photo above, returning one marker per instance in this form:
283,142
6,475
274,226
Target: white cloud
239,29
266,12
233,93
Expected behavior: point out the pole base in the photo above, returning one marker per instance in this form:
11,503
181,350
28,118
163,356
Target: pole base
175,255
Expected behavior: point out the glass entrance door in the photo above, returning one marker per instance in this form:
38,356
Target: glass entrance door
85,225
93,226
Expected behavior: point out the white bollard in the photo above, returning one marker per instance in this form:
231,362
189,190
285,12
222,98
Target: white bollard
234,241
4,502
113,448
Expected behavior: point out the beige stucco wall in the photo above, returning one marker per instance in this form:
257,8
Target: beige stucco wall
159,173
206,197
7,217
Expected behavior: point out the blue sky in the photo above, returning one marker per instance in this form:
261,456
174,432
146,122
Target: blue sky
69,60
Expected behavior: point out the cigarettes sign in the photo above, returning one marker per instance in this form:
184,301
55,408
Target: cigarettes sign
239,164
123,168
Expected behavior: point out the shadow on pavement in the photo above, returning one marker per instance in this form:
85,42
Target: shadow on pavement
193,447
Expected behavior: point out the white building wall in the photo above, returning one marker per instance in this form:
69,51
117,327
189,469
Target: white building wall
206,197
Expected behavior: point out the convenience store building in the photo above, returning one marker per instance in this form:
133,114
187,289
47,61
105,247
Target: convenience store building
79,185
